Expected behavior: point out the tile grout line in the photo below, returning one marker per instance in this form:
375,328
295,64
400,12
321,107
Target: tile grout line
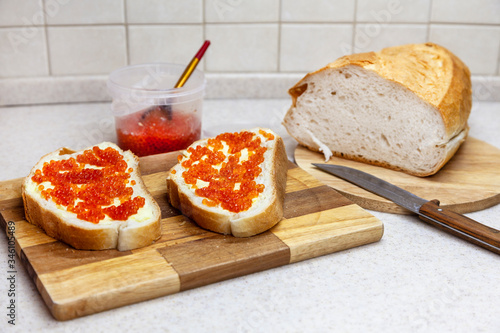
278,54
46,32
275,82
429,16
204,29
497,73
125,24
87,25
354,25
236,75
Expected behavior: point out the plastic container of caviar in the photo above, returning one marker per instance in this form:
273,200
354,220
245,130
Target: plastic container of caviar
152,117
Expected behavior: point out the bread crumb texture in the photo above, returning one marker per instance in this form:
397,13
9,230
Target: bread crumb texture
404,108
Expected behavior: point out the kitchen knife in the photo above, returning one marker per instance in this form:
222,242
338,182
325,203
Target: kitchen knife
428,211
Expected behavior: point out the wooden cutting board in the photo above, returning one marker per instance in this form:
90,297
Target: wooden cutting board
469,182
74,283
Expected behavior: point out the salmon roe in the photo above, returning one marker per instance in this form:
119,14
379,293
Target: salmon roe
268,136
231,182
153,131
91,193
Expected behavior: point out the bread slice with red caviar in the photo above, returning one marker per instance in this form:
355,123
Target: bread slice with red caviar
93,199
233,183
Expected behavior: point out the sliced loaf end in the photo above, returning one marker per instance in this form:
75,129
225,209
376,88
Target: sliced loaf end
351,110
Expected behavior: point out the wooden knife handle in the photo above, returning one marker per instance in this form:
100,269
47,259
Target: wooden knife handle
461,226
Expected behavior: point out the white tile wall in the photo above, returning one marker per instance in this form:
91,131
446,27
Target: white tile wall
21,12
23,52
86,50
375,36
466,11
164,11
237,11
84,12
242,47
394,11
155,43
476,46
304,47
317,11
77,37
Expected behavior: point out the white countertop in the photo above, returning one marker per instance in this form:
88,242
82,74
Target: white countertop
416,279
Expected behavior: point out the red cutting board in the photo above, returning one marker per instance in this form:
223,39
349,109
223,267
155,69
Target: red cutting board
74,283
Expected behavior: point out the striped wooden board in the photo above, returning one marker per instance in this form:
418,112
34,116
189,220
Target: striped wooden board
75,283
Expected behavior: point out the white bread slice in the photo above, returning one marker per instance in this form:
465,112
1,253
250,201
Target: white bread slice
139,230
265,211
403,108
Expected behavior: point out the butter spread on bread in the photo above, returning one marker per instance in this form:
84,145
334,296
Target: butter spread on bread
92,199
403,108
233,183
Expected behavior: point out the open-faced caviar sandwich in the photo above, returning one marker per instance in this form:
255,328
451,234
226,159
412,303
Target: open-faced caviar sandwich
92,199
233,183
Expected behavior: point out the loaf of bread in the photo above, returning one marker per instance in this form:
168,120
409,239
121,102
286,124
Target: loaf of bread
403,108
233,183
92,199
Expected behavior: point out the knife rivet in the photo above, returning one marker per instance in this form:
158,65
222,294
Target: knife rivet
440,209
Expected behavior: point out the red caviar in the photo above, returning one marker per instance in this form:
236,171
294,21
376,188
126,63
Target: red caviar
233,185
268,136
90,193
153,131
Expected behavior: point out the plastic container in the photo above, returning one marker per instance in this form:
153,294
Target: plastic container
151,116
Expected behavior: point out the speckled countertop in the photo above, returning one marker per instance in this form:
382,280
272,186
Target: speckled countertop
416,279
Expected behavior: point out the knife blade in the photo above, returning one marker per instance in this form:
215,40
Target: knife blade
428,210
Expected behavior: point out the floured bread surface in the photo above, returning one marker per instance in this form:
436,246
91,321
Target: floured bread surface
232,198
402,108
114,229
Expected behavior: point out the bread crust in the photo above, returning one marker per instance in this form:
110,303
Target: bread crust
94,236
451,149
413,66
58,228
225,222
429,71
204,218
